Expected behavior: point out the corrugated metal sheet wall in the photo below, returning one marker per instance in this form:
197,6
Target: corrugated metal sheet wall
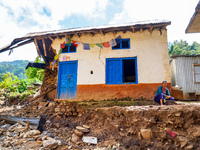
182,67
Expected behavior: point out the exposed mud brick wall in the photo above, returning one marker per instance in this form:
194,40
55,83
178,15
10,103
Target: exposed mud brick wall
68,109
49,82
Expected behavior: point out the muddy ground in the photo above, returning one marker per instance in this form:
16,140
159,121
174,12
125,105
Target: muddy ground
117,124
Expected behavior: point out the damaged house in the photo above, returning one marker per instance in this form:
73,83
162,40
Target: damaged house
103,62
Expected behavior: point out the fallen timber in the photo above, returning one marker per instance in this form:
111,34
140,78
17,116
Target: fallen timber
13,120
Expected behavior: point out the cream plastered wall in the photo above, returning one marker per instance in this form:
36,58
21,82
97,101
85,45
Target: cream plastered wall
151,50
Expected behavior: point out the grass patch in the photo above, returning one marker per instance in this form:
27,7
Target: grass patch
111,103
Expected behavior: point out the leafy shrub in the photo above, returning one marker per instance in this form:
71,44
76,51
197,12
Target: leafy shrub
33,73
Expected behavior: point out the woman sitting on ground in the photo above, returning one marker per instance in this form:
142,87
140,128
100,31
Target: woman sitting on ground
162,94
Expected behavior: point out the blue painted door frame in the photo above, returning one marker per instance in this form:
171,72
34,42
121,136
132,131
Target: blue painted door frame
67,80
114,70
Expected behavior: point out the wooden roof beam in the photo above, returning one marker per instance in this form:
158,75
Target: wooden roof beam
102,33
78,34
44,47
37,48
160,29
151,29
124,31
50,38
92,33
132,29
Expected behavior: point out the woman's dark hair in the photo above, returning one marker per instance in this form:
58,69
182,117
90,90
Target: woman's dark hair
164,81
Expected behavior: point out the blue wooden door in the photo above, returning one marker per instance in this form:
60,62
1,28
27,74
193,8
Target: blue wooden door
67,80
113,71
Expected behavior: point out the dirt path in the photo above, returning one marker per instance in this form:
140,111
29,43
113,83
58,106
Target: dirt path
189,103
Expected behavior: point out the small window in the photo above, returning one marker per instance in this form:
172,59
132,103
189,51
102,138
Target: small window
69,49
196,73
124,44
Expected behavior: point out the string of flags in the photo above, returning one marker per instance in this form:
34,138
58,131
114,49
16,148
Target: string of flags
86,46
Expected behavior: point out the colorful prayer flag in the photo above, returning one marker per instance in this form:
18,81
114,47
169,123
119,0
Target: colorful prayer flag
118,39
63,45
112,42
57,56
106,44
86,46
59,52
53,64
92,45
68,41
75,43
99,45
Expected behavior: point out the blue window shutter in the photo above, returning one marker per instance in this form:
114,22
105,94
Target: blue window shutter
114,71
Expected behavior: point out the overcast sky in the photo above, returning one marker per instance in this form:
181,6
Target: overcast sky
19,17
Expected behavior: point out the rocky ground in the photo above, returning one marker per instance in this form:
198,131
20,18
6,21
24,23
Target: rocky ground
86,125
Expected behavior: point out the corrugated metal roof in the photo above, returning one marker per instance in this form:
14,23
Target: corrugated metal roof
139,23
194,24
114,27
174,56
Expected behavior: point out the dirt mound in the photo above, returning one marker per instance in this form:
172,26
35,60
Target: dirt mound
130,127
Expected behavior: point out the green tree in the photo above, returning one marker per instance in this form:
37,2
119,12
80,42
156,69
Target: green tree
183,48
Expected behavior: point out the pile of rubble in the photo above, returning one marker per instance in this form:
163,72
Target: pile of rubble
20,136
50,79
133,127
24,136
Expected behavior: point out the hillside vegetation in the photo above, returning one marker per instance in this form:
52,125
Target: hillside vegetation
17,67
15,78
183,48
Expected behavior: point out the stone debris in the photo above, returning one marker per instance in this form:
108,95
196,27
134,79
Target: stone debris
82,129
178,114
78,133
11,137
183,141
189,147
42,105
89,139
31,133
196,133
86,126
146,134
75,138
50,143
